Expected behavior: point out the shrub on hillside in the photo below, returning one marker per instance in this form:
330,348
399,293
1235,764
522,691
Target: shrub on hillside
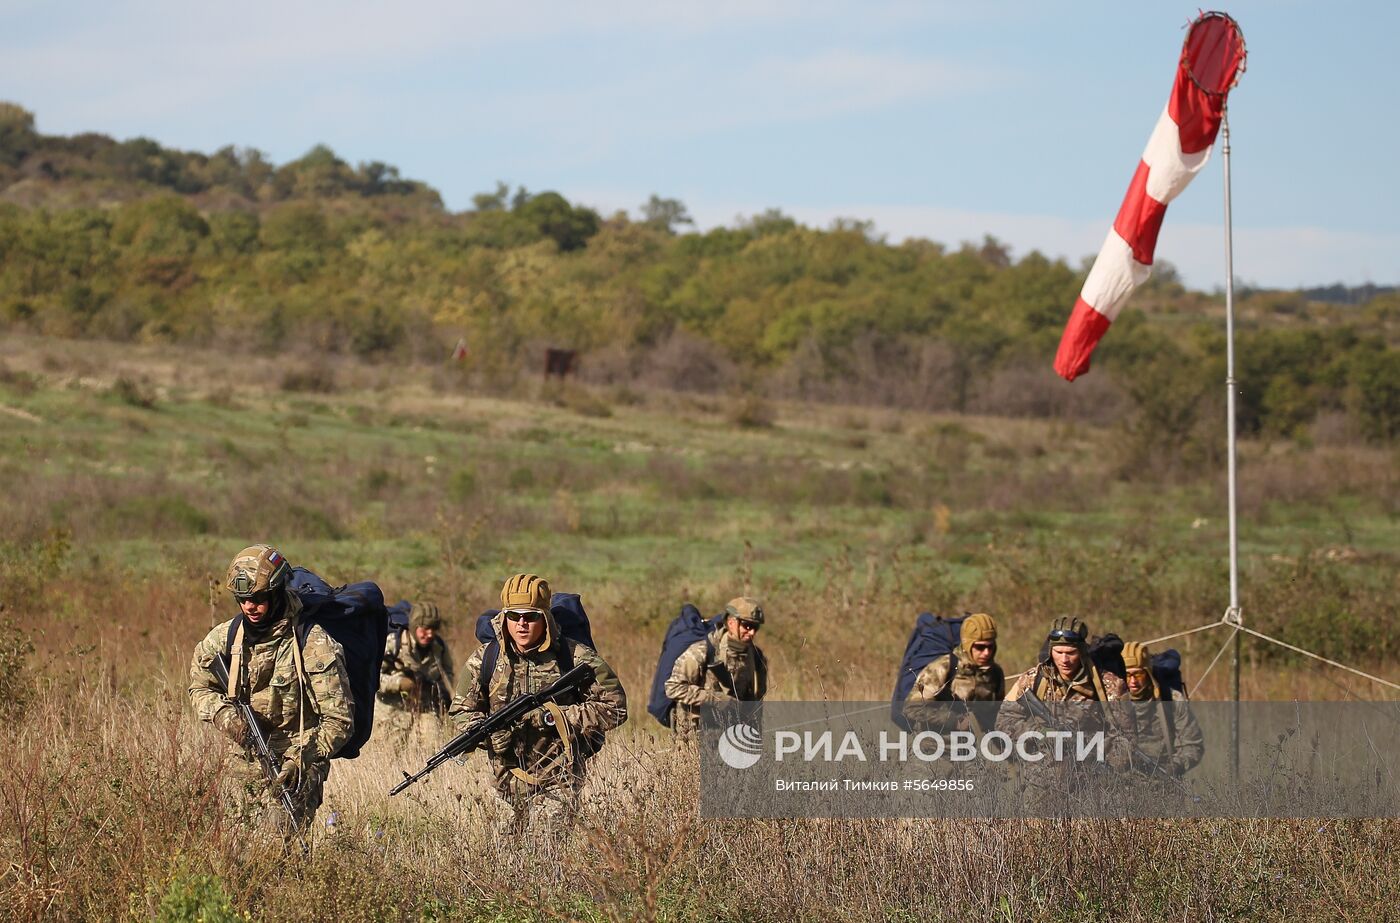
317,378
751,411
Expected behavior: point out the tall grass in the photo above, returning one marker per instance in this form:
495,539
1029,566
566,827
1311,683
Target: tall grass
846,521
113,812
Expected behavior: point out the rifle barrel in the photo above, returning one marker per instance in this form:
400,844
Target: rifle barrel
260,743
508,714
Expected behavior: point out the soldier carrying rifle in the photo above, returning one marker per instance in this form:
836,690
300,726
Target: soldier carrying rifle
540,761
416,675
285,707
1064,692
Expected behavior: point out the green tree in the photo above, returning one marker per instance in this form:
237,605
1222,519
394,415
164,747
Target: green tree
1374,395
552,215
665,213
17,136
492,201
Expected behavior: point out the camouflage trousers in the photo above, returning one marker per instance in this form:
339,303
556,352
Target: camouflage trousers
537,816
250,799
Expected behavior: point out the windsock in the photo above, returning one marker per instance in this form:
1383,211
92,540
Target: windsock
1212,58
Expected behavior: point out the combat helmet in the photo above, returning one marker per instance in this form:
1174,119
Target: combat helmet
425,615
526,592
1068,630
257,569
745,609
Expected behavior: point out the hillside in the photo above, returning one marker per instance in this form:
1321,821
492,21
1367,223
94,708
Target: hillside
133,242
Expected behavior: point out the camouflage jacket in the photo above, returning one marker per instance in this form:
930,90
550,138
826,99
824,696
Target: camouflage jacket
314,710
528,758
1165,731
927,704
1078,704
696,681
430,668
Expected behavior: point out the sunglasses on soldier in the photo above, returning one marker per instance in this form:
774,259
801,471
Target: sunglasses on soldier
1068,637
527,616
260,598
747,625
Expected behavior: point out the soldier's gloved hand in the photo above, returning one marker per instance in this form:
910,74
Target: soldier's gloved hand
499,741
295,762
230,723
406,684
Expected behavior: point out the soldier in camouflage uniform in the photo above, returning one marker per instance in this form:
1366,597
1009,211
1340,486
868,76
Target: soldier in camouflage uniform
976,678
416,675
299,693
1158,722
724,668
1067,675
1076,695
540,763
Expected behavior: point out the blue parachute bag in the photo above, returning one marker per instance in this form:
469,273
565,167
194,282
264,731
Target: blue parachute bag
569,615
934,636
685,629
355,616
1166,671
398,615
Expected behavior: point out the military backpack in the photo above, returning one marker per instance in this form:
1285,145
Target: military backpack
933,636
685,630
355,617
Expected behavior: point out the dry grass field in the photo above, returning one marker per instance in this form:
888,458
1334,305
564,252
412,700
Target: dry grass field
132,474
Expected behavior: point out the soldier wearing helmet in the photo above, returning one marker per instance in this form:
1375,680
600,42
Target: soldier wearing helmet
1067,674
726,667
299,691
1076,696
416,675
1157,720
970,674
540,763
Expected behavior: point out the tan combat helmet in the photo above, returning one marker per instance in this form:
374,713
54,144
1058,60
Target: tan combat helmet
257,569
745,609
525,592
977,628
1136,656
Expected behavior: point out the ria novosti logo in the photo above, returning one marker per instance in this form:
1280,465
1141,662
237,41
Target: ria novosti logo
740,746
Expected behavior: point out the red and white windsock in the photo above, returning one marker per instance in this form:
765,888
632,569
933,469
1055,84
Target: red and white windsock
1212,58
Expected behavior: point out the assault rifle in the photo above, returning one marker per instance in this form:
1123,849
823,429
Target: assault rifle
1041,713
513,711
258,738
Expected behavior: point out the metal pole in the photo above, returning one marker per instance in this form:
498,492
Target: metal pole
1233,614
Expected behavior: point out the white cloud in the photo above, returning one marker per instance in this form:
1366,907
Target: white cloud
158,59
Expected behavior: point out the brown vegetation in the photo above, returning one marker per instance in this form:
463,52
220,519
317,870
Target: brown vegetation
123,502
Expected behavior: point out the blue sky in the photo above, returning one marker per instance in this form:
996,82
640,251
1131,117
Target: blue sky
1023,120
